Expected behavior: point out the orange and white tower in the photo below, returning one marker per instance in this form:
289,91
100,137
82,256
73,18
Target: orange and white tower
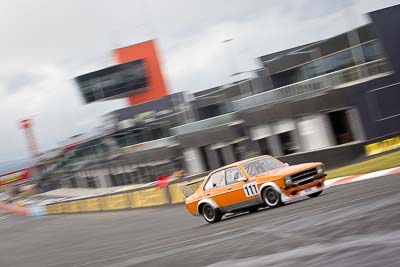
26,125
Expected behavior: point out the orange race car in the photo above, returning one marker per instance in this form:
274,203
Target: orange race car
250,184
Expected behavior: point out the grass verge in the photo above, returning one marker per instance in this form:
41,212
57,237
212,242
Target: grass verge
375,164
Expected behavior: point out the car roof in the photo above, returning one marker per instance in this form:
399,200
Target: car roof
237,163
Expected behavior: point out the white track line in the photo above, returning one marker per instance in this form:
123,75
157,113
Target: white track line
360,177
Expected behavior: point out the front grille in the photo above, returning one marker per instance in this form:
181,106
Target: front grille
306,181
304,177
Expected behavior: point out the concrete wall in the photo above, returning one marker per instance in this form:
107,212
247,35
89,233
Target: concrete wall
314,132
212,158
228,154
332,157
260,131
193,160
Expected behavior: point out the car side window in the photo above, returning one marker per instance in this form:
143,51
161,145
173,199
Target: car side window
233,175
216,180
250,169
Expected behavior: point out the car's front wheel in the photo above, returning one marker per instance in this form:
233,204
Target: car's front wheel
210,214
271,197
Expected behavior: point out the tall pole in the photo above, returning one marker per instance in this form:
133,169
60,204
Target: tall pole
26,126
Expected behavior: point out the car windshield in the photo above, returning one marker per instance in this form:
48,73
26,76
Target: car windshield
262,165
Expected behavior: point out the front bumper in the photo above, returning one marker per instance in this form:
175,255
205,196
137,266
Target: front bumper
295,192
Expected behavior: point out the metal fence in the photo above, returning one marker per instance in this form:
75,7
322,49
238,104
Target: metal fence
204,124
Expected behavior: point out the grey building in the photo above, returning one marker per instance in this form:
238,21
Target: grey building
320,101
135,145
337,92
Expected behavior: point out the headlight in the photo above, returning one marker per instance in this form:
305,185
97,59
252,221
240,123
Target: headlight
320,169
288,180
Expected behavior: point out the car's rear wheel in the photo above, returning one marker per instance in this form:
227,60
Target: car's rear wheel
271,197
210,214
315,194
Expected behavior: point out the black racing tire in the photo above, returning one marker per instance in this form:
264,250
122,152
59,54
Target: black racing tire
210,214
315,194
271,197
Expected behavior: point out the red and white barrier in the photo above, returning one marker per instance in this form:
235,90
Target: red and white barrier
33,210
13,209
360,177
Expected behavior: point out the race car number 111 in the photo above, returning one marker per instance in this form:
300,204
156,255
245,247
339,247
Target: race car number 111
250,189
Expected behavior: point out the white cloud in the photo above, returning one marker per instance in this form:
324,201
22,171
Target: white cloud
56,108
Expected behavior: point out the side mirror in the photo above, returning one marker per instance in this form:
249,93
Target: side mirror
242,179
286,164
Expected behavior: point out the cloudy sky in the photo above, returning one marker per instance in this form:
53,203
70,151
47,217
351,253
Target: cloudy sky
44,44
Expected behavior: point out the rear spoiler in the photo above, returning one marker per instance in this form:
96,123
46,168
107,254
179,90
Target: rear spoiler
189,188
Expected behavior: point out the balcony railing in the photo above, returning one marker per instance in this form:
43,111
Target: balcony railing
204,124
158,143
324,82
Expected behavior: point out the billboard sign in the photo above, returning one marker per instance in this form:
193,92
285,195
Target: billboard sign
15,176
148,51
118,81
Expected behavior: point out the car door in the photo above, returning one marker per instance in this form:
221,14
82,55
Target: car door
215,189
241,193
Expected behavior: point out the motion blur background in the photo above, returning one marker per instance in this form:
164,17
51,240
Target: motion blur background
113,105
109,95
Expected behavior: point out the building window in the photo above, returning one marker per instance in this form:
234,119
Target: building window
340,126
338,61
128,178
134,176
264,146
204,158
91,182
210,111
239,151
288,143
157,133
220,156
114,180
74,184
372,51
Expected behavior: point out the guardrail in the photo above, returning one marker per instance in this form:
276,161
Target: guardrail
157,143
320,83
204,124
135,198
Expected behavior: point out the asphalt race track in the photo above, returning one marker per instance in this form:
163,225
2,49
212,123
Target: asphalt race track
351,225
